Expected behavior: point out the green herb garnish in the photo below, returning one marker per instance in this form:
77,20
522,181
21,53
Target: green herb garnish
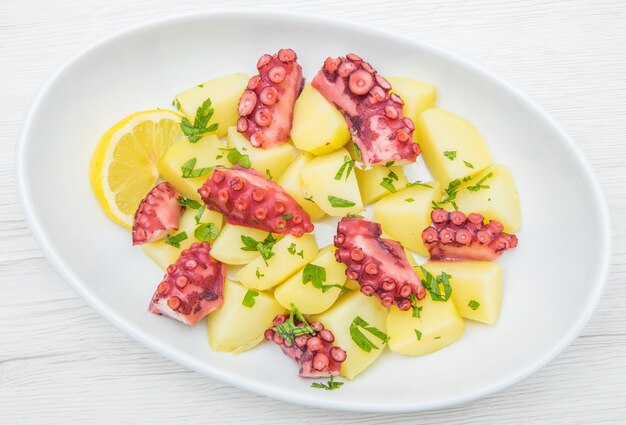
292,249
433,285
354,215
188,203
389,163
206,232
410,200
418,334
416,310
258,273
235,157
468,164
199,213
451,192
360,339
264,247
268,174
176,103
175,240
287,216
188,169
348,164
336,202
194,132
450,155
249,298
387,182
473,305
317,276
480,185
418,183
329,386
356,151
289,330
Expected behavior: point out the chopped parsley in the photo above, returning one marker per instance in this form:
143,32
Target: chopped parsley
433,285
473,305
206,232
418,183
249,298
354,215
287,216
450,197
235,157
356,151
336,202
310,199
329,386
418,334
389,163
189,172
416,310
468,164
268,173
199,213
188,203
195,131
264,247
387,182
258,273
480,185
450,155
360,339
317,276
288,330
348,164
467,179
410,200
292,249
175,240
176,103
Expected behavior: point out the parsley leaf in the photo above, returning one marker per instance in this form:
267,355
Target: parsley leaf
468,164
206,232
480,185
249,298
450,155
317,276
473,305
264,247
289,330
258,273
195,131
433,285
235,157
329,386
416,310
188,203
268,174
287,216
199,213
451,192
176,103
360,339
387,182
356,151
292,249
354,215
175,240
188,169
418,183
418,334
410,200
347,163
389,163
336,202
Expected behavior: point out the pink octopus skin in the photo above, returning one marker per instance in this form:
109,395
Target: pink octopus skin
266,106
192,287
157,215
315,354
456,237
375,118
379,265
248,198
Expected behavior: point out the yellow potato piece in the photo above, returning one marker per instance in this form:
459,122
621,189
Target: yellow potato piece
318,127
237,327
227,247
164,254
291,181
318,177
441,132
269,162
498,201
476,287
438,326
224,93
379,181
208,151
309,299
405,214
339,318
259,274
416,95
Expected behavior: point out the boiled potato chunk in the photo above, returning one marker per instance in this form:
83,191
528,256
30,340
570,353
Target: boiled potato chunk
290,254
311,300
438,326
291,181
235,326
269,162
417,95
318,127
442,133
339,318
499,201
224,93
476,287
336,197
227,247
164,254
379,181
208,152
406,213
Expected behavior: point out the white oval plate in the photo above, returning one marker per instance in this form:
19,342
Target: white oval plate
553,280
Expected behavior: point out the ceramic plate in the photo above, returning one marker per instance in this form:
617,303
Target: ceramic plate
552,281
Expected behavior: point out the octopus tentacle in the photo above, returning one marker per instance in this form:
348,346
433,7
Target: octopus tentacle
158,214
266,106
375,117
248,198
192,287
455,237
379,265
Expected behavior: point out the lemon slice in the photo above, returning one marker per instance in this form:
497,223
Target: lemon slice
124,165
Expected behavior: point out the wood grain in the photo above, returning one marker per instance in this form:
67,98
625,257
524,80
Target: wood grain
60,363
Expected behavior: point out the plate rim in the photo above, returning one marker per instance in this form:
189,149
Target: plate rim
25,202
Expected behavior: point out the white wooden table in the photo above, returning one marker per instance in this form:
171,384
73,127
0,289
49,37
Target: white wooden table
61,363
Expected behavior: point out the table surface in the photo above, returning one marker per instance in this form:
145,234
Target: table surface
77,368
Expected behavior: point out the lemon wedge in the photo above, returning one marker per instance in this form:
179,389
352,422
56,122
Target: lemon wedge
124,165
